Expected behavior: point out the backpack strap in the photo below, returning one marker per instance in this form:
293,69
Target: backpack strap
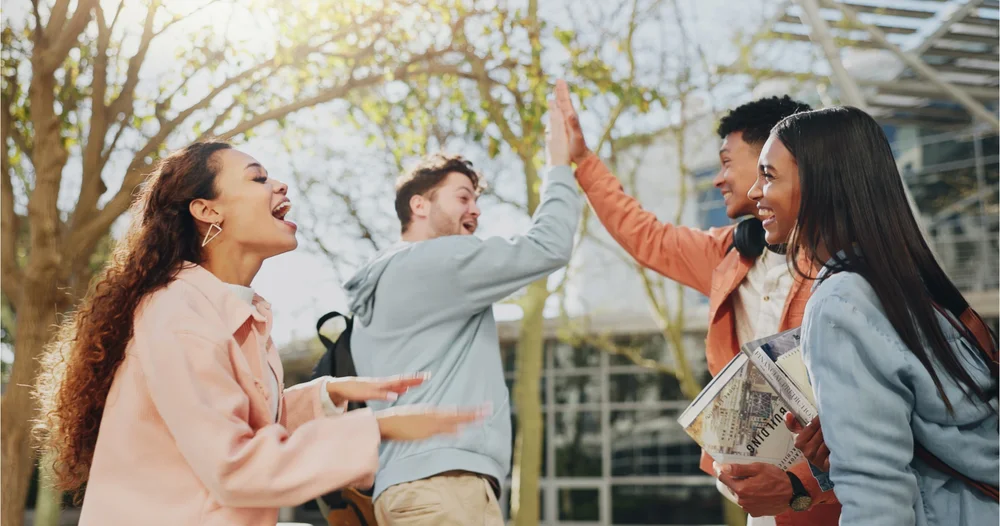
984,335
931,460
322,321
972,327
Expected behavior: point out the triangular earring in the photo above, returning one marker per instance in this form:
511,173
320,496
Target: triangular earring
209,236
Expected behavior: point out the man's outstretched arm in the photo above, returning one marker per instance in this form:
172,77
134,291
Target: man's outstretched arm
682,254
487,271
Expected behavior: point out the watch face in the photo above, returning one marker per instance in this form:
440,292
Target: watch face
801,503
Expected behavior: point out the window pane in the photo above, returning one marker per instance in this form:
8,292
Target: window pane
666,505
579,505
577,389
578,444
507,351
651,345
569,357
505,504
644,387
651,442
508,354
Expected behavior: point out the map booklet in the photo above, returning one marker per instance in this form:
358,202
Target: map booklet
739,418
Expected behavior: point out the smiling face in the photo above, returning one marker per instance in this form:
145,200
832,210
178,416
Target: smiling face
452,207
250,207
776,191
737,174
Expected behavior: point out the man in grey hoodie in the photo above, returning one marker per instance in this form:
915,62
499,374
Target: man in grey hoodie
425,304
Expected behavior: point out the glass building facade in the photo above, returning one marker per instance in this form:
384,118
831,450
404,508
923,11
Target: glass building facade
613,452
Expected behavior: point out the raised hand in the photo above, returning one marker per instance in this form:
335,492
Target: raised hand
577,144
556,138
416,422
809,440
355,389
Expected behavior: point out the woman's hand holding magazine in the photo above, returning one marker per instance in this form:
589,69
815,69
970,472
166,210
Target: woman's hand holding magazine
809,440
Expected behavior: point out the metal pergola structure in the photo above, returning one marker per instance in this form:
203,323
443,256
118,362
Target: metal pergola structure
945,52
926,65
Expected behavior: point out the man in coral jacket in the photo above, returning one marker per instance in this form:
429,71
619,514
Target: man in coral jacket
752,292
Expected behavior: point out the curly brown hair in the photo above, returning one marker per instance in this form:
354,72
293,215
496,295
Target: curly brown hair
79,366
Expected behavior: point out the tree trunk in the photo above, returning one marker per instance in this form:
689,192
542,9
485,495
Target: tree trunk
37,306
48,504
733,513
528,445
35,318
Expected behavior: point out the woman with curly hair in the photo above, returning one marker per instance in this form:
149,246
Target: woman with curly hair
164,394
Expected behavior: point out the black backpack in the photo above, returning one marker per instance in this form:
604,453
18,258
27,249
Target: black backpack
348,506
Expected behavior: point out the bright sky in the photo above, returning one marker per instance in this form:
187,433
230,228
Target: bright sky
301,285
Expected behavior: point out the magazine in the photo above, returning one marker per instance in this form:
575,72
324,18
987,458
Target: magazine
779,359
739,419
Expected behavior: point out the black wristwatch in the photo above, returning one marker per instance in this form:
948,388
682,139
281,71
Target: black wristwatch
801,501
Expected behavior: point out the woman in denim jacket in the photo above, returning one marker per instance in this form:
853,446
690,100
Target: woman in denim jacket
891,365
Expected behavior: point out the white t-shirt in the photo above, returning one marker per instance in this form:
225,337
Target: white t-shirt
757,307
760,297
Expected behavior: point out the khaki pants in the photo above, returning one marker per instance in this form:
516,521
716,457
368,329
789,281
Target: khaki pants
448,499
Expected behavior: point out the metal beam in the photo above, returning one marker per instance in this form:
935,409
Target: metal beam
890,11
961,204
956,115
969,37
923,89
969,69
896,30
945,19
820,34
839,42
897,87
975,108
961,53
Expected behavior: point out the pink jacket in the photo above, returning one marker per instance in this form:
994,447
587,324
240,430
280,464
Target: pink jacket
187,436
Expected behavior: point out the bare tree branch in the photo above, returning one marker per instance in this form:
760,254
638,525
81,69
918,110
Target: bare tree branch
220,119
92,185
39,33
68,33
123,102
20,140
86,235
178,18
121,5
491,191
10,280
114,142
493,107
57,17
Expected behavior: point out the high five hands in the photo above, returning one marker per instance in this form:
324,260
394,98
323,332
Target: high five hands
564,139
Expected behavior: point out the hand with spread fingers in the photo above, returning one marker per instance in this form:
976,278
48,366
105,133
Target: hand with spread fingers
417,422
809,440
577,144
763,490
354,389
